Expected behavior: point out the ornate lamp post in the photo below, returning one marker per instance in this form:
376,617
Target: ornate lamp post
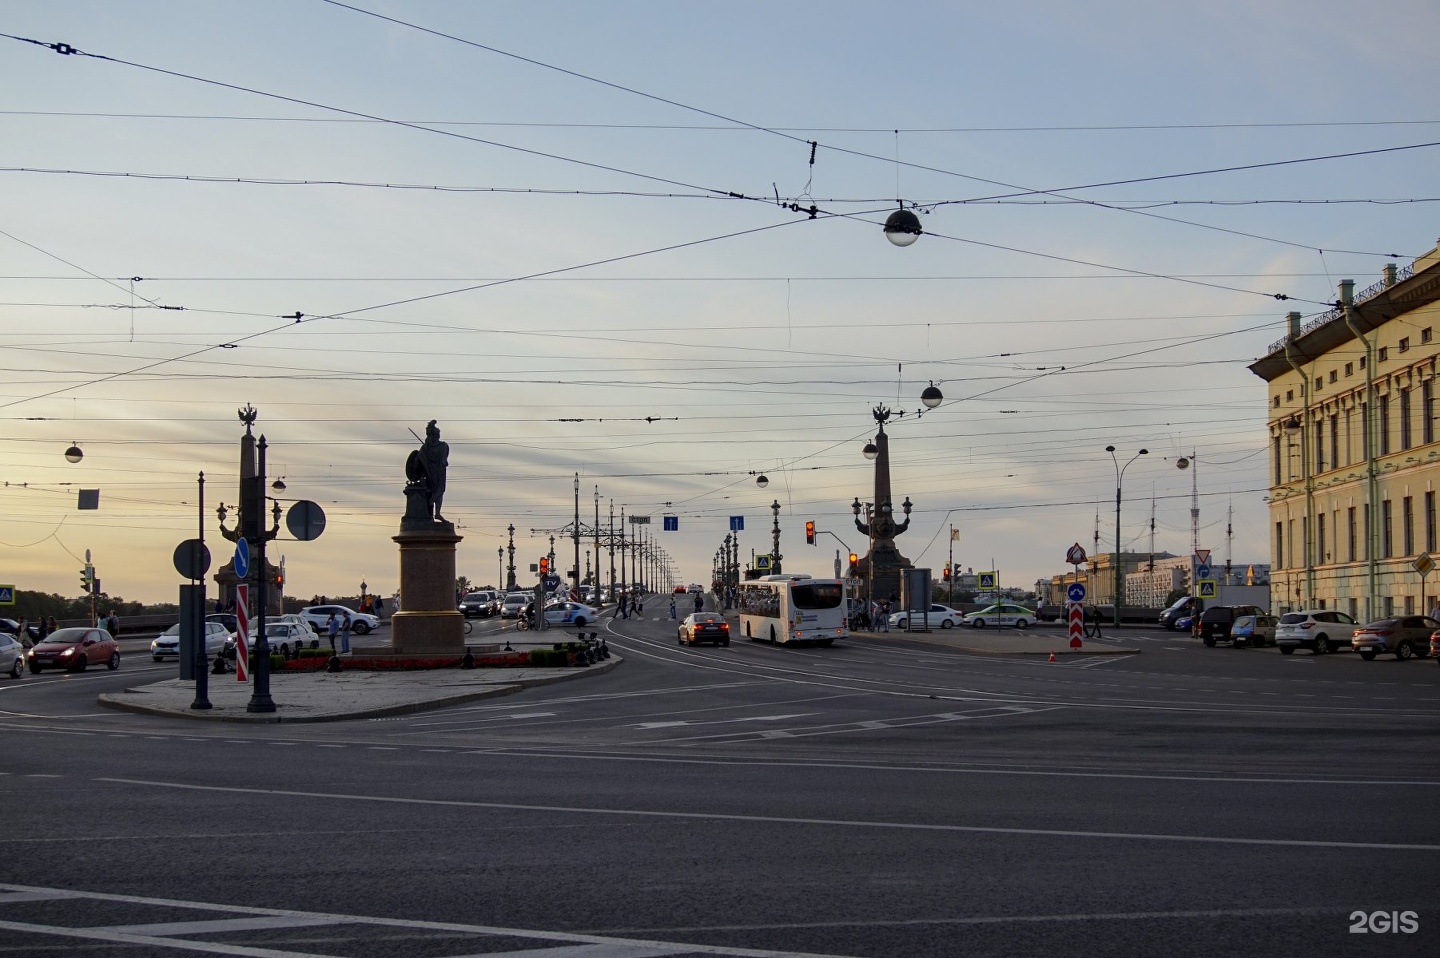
500,576
510,578
1119,476
775,538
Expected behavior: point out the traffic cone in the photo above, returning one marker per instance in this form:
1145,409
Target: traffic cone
1052,656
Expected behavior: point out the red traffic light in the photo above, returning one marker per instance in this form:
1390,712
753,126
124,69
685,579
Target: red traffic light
810,533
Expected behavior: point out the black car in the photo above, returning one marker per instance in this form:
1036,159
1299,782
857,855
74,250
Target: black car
482,604
1215,622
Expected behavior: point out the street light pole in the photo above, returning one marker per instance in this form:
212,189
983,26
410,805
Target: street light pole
510,577
775,539
1119,477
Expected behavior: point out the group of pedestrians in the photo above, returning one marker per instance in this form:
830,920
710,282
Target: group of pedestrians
334,626
628,603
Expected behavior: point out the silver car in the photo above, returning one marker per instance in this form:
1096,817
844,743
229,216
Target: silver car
1319,630
12,655
167,643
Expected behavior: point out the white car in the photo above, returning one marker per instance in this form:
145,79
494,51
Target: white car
290,618
288,634
939,617
514,602
571,613
318,617
12,655
167,644
1002,613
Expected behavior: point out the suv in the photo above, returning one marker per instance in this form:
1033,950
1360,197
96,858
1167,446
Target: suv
514,602
1215,622
482,604
1319,630
318,617
1179,610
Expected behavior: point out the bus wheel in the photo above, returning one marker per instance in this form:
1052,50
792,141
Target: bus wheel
772,635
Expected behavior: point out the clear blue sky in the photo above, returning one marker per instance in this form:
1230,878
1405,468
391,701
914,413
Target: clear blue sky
566,249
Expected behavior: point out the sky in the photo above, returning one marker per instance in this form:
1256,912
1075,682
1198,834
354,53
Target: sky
578,235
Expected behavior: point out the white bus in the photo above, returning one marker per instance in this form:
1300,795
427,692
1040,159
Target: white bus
792,608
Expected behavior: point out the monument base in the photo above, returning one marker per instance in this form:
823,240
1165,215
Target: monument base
428,622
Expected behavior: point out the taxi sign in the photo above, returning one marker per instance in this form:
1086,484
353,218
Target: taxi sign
1207,588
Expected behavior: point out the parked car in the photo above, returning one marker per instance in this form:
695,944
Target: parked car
481,604
319,615
294,618
571,613
1002,613
167,643
1403,636
75,649
288,634
1217,620
1170,618
1319,630
514,602
1435,646
1185,623
939,617
227,619
704,627
12,655
1255,630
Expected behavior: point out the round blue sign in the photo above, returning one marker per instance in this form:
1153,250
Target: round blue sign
1075,592
242,558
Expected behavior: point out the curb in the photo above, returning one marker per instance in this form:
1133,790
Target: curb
112,700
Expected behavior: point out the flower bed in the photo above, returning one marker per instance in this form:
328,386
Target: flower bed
386,663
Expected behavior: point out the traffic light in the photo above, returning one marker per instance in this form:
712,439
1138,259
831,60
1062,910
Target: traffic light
809,533
87,579
279,580
854,561
544,566
947,572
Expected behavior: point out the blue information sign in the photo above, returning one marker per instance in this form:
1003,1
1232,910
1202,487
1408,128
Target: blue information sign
737,523
242,558
1075,592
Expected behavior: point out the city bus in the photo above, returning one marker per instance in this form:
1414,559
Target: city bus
792,608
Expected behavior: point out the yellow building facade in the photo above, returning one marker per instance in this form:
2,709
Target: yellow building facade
1354,457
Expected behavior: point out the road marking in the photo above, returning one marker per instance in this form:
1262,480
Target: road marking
785,820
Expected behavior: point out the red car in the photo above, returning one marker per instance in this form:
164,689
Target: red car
74,649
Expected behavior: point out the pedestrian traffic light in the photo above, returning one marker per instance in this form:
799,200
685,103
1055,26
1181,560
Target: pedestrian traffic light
809,533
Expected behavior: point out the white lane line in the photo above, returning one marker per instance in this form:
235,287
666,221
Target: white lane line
784,820
218,926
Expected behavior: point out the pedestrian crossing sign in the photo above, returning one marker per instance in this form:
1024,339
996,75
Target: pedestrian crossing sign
987,580
7,595
1207,588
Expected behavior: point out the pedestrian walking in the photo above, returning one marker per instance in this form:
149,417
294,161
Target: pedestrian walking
884,623
624,606
639,603
345,636
219,605
672,607
22,632
379,607
112,623
50,626
332,628
699,602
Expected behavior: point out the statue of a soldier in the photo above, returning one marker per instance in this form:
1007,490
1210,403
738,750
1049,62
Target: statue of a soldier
426,471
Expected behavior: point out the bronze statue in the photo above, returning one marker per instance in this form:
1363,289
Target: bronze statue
426,466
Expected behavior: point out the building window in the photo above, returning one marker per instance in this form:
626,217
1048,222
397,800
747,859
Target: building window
1364,430
1409,605
1362,362
1387,543
1320,554
1407,522
1349,369
1276,404
1382,355
1333,375
1405,419
1404,344
1427,411
1384,425
1334,442
1350,534
1319,445
1289,395
1389,606
1429,522
1276,444
1279,544
1425,335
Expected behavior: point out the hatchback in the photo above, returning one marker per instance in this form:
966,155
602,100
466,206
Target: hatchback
1405,636
74,649
167,643
1256,630
1319,630
704,627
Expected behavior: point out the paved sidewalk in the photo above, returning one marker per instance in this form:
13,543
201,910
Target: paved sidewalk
325,697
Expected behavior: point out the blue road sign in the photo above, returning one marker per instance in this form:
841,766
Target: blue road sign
242,558
1075,592
7,595
672,524
1202,571
737,523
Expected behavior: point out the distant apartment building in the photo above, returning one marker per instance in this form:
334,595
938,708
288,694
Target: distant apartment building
1354,459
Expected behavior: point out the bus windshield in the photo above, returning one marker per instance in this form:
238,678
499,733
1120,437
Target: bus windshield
819,595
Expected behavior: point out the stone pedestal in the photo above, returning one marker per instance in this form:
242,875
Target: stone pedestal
428,623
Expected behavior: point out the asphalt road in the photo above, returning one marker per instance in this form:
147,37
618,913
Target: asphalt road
884,797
